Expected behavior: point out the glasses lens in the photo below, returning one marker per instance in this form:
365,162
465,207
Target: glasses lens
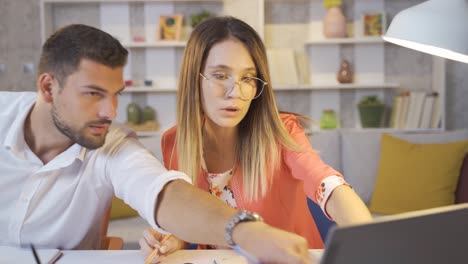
248,87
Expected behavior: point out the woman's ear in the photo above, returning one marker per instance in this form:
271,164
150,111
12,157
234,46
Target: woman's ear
45,84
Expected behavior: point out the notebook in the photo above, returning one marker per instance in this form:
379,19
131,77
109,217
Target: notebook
24,255
431,236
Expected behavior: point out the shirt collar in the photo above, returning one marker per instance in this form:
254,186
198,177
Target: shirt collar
15,135
15,141
65,159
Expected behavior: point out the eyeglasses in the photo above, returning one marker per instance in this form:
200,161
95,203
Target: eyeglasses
249,87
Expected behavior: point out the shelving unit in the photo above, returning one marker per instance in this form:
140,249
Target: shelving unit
282,23
165,44
143,89
352,40
150,59
319,58
336,86
150,133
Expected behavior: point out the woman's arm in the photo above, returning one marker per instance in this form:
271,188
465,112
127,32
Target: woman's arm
345,207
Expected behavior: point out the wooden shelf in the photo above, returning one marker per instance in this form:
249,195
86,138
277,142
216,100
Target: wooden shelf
149,133
161,44
336,86
380,129
360,40
121,1
144,89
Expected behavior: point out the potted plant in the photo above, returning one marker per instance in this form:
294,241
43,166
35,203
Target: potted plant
371,110
334,22
197,18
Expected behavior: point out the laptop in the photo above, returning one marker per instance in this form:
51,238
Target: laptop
438,235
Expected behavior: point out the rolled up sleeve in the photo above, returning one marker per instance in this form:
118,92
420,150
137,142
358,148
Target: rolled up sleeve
138,178
306,165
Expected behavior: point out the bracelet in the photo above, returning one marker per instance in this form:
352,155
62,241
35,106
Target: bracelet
241,216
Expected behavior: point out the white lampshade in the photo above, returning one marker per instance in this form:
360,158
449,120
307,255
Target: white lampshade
437,27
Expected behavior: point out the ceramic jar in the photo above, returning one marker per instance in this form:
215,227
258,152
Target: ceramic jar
328,120
334,23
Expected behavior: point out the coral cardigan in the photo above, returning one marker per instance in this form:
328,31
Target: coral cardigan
285,205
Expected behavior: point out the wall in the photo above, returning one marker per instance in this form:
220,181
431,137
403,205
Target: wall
20,43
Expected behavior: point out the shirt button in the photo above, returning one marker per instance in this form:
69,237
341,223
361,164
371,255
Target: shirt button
24,199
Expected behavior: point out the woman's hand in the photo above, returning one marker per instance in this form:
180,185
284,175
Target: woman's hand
152,239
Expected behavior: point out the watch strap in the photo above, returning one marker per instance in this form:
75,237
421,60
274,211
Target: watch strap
239,217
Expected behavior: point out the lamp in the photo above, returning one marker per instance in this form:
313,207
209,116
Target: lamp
437,27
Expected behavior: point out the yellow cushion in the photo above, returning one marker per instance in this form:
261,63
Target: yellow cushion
120,209
416,176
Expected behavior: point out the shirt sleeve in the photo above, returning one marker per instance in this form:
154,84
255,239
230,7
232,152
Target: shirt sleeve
326,188
138,177
306,165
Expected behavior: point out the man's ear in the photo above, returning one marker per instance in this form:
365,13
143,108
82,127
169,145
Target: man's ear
46,84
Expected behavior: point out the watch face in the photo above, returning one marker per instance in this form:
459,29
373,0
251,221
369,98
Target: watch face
250,216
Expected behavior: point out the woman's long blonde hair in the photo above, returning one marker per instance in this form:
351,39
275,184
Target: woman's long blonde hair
260,134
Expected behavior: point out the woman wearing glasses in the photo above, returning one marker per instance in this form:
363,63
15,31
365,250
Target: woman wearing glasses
232,140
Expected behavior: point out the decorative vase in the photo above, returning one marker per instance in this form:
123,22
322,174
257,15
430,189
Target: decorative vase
345,73
148,114
134,115
328,120
334,23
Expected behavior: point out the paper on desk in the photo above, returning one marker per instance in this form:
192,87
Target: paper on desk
24,255
221,257
204,257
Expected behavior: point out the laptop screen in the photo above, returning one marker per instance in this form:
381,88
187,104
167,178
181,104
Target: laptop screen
437,235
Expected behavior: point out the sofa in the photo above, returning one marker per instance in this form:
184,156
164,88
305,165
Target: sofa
355,153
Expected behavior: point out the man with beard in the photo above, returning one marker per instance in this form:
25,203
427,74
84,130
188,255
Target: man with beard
62,160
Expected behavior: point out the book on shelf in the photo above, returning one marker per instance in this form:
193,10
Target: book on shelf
436,113
399,110
282,65
415,106
396,111
415,110
427,111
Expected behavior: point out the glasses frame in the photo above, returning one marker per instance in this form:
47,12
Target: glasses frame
227,91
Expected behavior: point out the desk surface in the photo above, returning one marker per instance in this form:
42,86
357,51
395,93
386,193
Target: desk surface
181,256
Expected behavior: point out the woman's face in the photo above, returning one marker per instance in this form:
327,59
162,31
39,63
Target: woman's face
228,62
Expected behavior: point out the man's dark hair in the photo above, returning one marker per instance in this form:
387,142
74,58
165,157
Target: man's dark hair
63,51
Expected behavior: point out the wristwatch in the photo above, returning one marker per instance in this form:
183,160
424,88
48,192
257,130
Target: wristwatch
241,216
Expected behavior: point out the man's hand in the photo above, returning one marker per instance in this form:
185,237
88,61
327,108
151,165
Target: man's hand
152,239
271,245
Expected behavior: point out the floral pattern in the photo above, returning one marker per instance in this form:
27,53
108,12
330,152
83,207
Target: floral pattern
326,188
220,187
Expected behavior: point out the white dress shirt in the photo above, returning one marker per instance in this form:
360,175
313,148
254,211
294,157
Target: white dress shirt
61,204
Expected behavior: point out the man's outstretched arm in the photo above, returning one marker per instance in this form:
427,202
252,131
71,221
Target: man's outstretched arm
198,217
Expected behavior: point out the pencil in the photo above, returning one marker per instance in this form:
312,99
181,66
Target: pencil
36,257
156,250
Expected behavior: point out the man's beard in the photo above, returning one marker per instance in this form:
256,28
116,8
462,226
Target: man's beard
78,136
